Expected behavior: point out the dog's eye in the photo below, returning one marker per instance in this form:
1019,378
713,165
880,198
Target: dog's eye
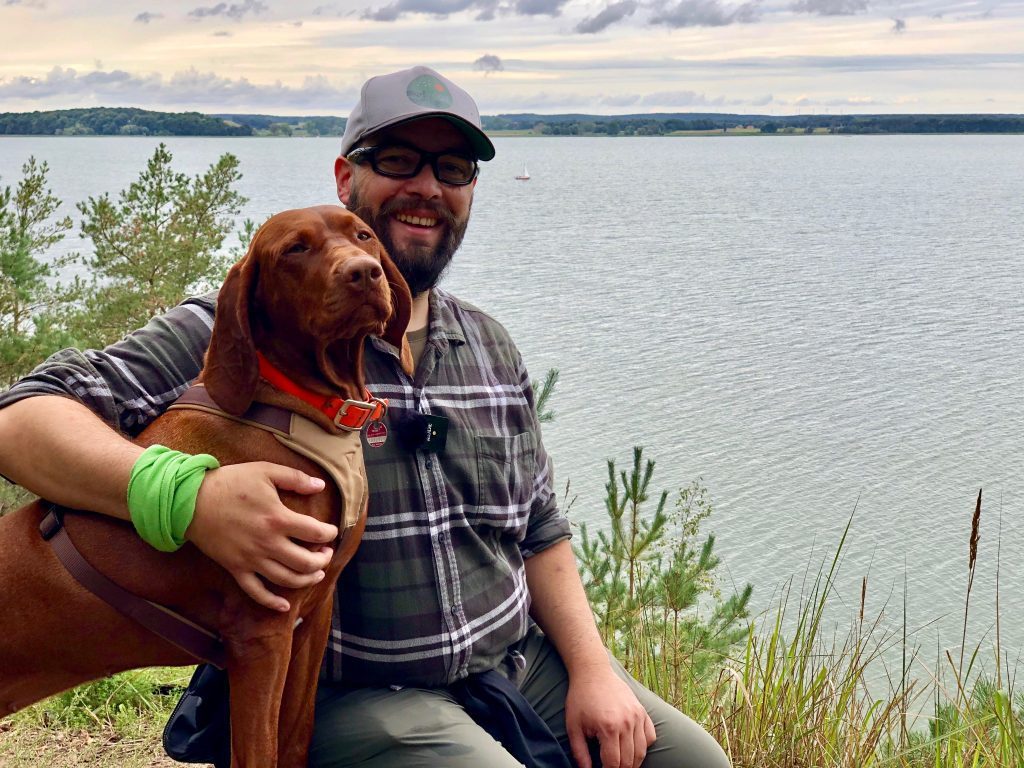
364,235
297,249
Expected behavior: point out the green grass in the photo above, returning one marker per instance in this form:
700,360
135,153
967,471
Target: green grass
117,721
12,497
797,694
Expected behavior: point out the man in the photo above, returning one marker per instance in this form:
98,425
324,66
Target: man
464,544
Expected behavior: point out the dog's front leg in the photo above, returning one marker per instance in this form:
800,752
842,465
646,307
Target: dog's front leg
299,701
257,670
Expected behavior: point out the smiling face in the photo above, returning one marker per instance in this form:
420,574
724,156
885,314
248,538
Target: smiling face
420,220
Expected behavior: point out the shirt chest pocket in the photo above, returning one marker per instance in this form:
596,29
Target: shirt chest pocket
506,468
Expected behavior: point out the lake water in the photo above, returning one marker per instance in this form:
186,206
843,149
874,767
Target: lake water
813,325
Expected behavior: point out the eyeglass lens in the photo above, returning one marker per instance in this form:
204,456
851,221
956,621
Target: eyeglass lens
406,161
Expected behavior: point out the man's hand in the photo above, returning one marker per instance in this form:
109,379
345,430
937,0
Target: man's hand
241,524
601,706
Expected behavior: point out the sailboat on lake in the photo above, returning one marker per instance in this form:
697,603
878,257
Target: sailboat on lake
525,175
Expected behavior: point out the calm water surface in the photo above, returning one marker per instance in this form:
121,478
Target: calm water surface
814,325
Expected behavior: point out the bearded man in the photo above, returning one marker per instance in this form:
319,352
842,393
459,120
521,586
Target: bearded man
465,582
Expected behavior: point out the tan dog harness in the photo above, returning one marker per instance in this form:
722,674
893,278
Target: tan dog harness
340,454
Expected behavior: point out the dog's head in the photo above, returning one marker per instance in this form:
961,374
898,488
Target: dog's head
314,283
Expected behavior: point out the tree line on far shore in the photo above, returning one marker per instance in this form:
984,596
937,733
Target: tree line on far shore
664,125
108,121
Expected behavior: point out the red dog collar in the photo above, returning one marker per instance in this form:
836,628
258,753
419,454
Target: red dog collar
347,414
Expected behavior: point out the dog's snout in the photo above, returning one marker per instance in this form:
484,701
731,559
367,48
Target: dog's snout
361,272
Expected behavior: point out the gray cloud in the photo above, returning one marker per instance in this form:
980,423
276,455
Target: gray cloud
680,99
850,101
489,63
625,100
222,33
899,26
190,89
440,8
752,66
26,3
538,7
145,17
60,81
486,10
236,11
830,7
332,9
613,13
704,13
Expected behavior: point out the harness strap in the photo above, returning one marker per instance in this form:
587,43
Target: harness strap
269,417
171,626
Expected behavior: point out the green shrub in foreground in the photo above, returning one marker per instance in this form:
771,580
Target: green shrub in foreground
652,585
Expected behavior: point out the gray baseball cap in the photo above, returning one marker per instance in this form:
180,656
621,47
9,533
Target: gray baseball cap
413,94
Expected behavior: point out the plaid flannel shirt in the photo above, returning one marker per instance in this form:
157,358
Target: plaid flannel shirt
437,589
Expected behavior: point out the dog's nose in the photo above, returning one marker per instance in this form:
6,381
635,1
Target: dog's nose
361,272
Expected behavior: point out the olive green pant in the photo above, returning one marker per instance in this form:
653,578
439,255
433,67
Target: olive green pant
384,728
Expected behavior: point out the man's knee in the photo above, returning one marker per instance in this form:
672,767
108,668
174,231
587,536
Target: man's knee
683,743
380,728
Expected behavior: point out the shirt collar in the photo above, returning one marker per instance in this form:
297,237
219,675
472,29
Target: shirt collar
443,322
445,327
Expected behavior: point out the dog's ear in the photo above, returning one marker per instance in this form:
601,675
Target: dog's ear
401,310
231,372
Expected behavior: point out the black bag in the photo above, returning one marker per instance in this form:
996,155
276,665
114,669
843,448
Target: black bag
199,729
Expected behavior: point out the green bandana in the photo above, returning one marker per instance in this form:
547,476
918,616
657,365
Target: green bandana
162,494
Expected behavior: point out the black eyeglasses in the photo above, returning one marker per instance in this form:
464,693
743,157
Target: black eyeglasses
402,162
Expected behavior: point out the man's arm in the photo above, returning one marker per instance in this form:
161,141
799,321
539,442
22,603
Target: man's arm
599,704
58,449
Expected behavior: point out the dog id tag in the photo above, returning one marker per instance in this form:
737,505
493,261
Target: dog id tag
376,434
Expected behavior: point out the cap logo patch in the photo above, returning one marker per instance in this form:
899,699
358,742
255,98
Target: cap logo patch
428,91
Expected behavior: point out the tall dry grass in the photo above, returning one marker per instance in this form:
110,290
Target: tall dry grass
797,695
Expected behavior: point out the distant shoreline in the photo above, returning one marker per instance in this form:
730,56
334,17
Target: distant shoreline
109,121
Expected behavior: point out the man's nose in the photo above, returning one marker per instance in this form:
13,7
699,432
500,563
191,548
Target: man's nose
425,183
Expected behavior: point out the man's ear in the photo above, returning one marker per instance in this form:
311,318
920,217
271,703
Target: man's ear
343,179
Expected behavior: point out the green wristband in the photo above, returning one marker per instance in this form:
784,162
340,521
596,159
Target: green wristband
162,494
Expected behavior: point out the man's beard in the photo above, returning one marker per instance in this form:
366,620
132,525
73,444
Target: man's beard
422,266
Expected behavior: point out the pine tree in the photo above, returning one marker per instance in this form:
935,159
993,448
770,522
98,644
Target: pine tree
29,297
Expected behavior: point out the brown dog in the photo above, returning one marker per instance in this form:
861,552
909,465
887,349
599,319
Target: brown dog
314,283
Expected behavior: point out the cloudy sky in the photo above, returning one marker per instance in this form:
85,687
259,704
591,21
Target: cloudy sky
547,56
